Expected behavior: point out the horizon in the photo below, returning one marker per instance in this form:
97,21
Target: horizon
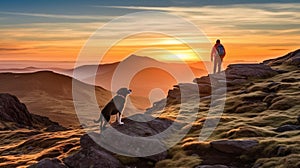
44,32
38,64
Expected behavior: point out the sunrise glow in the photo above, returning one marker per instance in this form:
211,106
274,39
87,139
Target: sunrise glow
44,35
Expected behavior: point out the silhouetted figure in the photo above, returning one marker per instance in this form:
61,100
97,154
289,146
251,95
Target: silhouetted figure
217,54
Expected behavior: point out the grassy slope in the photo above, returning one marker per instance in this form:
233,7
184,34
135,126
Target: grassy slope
249,114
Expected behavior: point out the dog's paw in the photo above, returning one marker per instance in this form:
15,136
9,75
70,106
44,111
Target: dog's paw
121,123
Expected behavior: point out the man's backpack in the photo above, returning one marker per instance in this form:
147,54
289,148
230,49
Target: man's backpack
221,50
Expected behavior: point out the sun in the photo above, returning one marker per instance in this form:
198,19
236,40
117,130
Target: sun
171,42
184,56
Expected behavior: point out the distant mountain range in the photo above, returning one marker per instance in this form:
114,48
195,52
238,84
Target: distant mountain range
49,94
155,75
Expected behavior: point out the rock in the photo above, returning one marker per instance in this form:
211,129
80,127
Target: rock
139,125
202,80
102,153
92,157
283,151
290,80
186,91
157,106
295,60
288,127
253,71
49,163
204,90
268,99
174,96
253,107
278,86
11,109
281,71
282,104
211,166
292,58
247,131
254,97
236,82
55,128
234,146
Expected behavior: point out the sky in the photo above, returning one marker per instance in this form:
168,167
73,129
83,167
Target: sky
56,31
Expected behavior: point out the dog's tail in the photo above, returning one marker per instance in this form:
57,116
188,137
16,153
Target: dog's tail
100,118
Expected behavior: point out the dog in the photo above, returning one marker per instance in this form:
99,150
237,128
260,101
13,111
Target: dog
114,107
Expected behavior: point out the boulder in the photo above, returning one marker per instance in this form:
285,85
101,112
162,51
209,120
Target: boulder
290,80
99,150
287,127
202,80
253,107
295,60
11,109
283,103
234,146
92,157
292,58
252,71
234,82
49,163
211,166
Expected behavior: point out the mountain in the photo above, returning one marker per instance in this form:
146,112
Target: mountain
149,85
258,126
49,94
152,74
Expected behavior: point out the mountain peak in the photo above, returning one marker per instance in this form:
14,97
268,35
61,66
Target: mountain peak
135,58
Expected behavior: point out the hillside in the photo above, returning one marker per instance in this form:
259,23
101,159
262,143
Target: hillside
49,94
152,74
259,126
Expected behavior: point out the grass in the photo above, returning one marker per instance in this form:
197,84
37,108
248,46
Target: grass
179,158
252,112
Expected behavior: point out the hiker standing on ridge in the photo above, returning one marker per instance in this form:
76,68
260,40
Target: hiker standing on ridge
217,54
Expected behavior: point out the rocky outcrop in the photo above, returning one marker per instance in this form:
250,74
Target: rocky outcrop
292,58
12,110
288,127
249,71
92,154
234,76
212,166
92,157
234,146
221,153
48,163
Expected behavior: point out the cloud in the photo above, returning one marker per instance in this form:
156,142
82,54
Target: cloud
247,28
14,49
251,16
59,16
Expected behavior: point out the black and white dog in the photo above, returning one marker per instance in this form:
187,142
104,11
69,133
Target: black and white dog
114,106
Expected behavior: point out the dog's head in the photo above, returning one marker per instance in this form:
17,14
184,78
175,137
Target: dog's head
124,92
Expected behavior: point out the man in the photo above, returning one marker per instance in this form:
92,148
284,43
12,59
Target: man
217,54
